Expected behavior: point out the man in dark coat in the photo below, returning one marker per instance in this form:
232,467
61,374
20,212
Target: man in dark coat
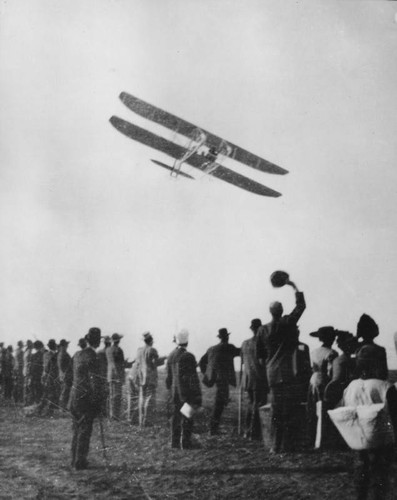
116,376
183,381
218,367
85,398
276,344
254,382
50,380
27,378
36,371
18,373
65,373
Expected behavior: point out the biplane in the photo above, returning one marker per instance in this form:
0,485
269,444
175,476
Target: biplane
202,150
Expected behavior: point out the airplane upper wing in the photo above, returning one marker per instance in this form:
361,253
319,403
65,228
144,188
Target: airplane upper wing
175,151
183,127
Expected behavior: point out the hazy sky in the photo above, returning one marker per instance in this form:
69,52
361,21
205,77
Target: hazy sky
94,234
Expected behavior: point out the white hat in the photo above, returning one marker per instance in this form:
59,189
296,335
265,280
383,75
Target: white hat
182,337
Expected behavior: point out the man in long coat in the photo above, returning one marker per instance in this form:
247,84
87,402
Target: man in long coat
218,367
183,381
27,378
254,382
36,371
85,398
276,345
65,373
116,376
18,373
50,380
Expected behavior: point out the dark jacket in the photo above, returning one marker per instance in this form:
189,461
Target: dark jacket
87,389
64,362
182,377
371,362
276,344
217,364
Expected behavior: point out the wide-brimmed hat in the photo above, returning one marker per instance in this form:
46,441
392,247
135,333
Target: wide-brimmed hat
366,327
279,278
255,323
223,333
324,332
117,336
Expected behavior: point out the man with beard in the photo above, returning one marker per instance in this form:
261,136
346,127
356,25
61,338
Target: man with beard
85,398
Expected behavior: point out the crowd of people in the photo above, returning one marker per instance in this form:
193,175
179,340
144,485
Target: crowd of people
277,372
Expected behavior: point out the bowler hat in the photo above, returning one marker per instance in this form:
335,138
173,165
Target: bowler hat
223,333
64,342
38,344
279,278
93,335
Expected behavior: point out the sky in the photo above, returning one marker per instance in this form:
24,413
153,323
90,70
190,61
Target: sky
94,234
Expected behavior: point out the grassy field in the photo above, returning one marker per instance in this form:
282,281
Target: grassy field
139,464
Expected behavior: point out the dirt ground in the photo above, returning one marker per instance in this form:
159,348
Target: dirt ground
139,464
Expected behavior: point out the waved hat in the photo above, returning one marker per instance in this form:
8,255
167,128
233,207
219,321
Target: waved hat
223,333
324,331
52,344
117,336
64,342
255,323
279,278
366,327
182,337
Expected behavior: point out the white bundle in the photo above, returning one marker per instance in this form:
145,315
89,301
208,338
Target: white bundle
364,427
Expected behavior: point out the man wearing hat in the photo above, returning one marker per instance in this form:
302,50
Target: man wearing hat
18,373
146,363
116,376
276,344
85,397
254,382
36,371
103,370
371,359
27,379
218,367
64,362
183,381
50,380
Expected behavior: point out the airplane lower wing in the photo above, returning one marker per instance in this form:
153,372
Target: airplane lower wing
185,128
171,169
195,160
